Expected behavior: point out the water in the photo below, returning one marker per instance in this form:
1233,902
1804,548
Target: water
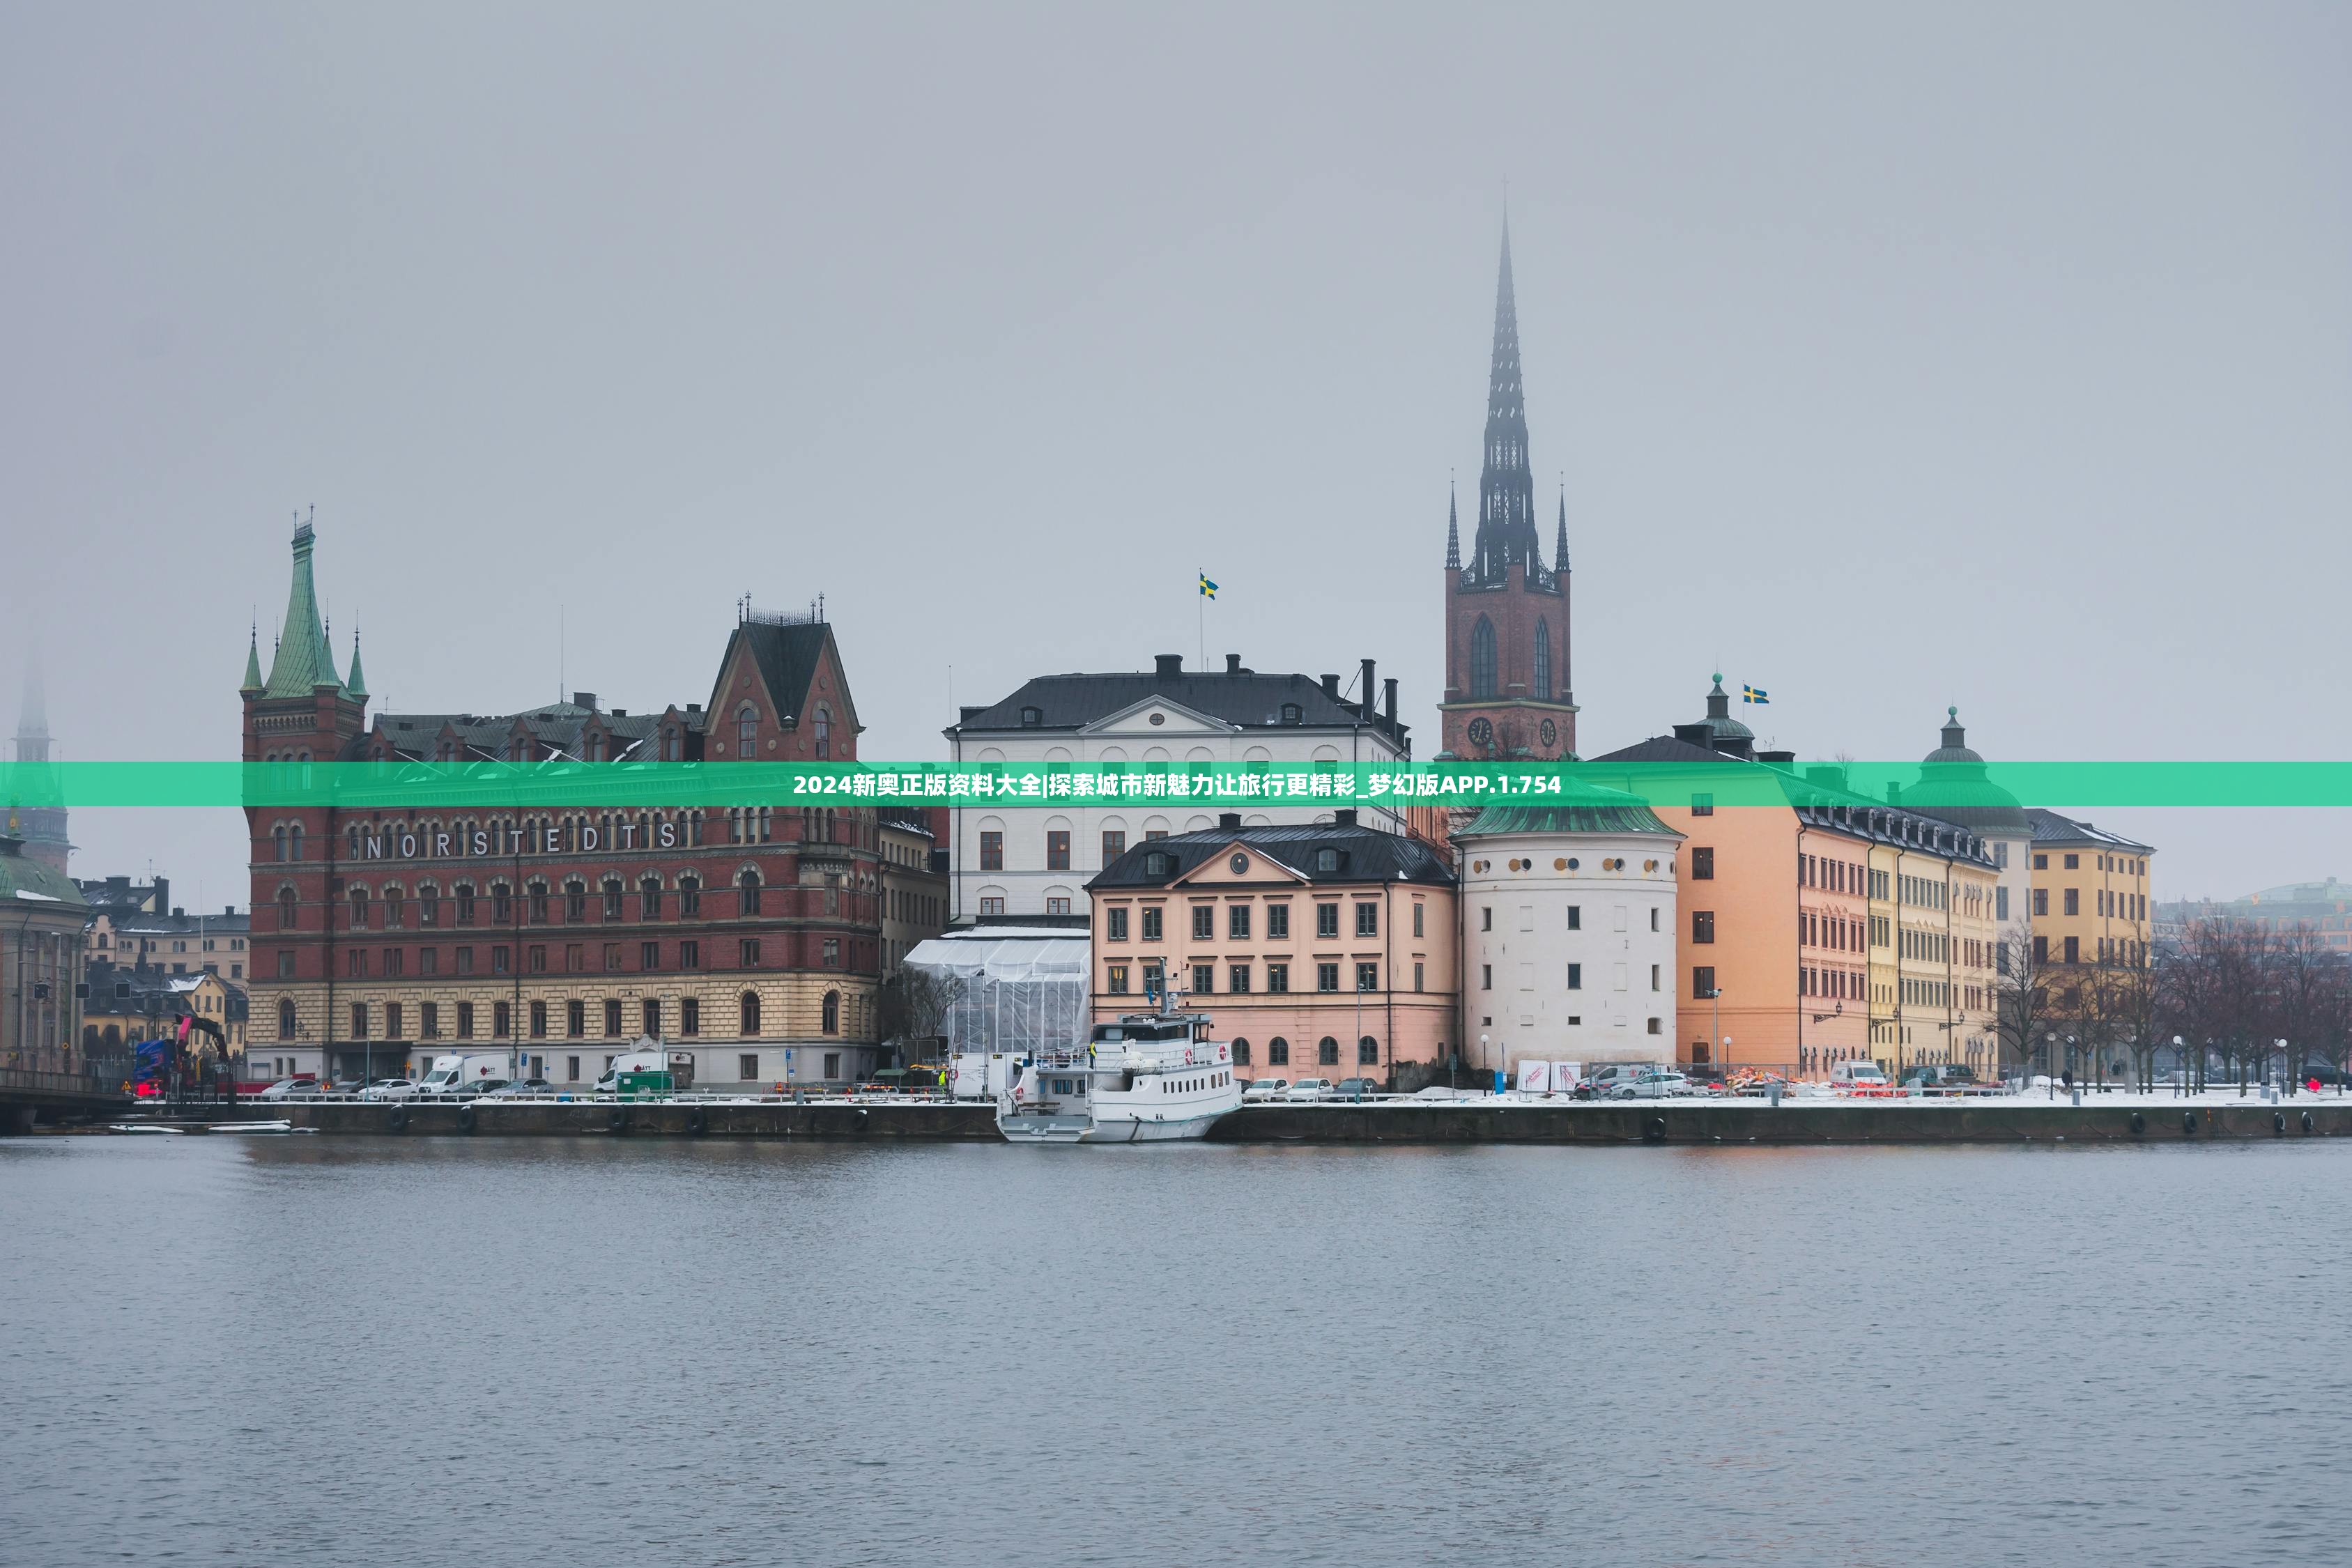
481,1352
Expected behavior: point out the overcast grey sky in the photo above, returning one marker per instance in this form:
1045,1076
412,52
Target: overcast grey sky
1894,357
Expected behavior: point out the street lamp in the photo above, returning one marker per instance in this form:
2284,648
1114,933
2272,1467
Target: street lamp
2180,1066
1485,1061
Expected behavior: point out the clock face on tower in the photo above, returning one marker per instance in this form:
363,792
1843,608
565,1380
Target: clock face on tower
1550,733
1482,732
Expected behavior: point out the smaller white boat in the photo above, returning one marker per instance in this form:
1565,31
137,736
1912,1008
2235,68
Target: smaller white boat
1149,1078
251,1127
144,1129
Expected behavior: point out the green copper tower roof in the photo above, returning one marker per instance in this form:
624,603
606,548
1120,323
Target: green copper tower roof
355,685
304,661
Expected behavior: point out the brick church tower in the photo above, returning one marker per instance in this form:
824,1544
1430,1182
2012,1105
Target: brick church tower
1507,676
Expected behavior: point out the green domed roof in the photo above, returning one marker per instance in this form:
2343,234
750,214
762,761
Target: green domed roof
1577,808
1953,787
1719,720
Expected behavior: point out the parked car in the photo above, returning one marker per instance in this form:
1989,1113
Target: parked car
522,1086
1310,1088
1939,1075
389,1089
1652,1085
288,1087
1602,1082
1356,1089
1259,1089
479,1087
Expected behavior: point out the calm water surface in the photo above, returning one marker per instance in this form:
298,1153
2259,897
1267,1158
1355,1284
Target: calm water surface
298,1350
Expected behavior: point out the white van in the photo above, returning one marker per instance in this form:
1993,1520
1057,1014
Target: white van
1860,1075
460,1074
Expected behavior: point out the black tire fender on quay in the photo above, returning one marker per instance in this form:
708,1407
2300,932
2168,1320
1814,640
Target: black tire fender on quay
398,1119
2306,1121
616,1121
697,1122
1654,1130
2188,1122
2139,1124
2278,1123
465,1119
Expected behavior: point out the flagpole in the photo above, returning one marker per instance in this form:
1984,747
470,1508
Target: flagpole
1200,616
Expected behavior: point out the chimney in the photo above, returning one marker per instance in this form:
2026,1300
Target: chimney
1344,817
585,700
1168,666
1331,686
230,911
1364,691
178,913
1388,699
1229,819
1233,664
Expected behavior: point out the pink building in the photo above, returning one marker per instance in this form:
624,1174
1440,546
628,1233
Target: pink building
1323,950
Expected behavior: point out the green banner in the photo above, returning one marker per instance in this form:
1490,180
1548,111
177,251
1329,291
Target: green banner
557,785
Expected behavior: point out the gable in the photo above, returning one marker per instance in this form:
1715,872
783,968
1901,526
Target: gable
1134,721
1218,868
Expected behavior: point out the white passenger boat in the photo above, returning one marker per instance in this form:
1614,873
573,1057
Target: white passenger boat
1151,1078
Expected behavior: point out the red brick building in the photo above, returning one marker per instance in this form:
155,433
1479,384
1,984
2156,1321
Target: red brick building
1507,692
751,934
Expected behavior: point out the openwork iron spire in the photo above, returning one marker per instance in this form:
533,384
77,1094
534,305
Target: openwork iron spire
1452,534
1507,490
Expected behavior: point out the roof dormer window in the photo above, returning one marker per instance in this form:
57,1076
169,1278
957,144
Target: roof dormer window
1031,718
1292,713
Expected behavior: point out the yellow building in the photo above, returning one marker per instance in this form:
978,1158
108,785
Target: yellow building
1932,936
2091,894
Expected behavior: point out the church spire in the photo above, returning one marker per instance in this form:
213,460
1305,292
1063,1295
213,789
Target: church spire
251,685
1560,547
304,660
355,686
1452,534
1507,534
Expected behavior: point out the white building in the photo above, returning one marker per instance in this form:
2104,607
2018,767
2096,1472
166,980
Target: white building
1026,863
1567,932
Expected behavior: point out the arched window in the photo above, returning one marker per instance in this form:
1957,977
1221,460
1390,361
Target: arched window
294,842
1326,1052
690,896
286,908
747,892
612,898
750,1013
359,908
824,731
1543,661
1278,1052
428,904
1367,1052
649,898
279,834
538,903
1240,1053
833,1012
668,744
747,730
575,900
1482,658
285,1018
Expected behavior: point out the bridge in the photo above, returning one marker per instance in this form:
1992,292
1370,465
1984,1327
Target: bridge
26,1096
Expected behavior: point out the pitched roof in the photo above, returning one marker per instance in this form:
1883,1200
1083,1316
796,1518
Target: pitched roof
1581,808
788,656
2049,827
303,660
1241,698
1366,855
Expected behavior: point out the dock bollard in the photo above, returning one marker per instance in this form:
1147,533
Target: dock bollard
1775,1093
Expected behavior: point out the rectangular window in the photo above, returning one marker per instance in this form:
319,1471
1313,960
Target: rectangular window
689,956
539,1020
1326,977
689,1015
1155,980
539,959
1058,906
2074,899
2073,950
1418,909
1701,925
391,1021
648,955
501,1020
285,963
359,1020
833,1064
747,953
572,1069
1152,925
1486,977
1368,977
1417,972
1327,920
1114,844
355,966
1576,916
2041,901
1367,919
747,1065
1702,981
1237,920
1653,977
2074,862
428,1020
611,957
992,851
833,952
1237,979
1115,979
1114,925
1277,920
1702,805
575,958
1205,979
612,1018
1277,977
2001,903
649,1018
1057,849
465,1020
1204,923
1702,865
428,960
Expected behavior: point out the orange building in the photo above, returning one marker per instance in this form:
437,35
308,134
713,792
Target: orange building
1774,897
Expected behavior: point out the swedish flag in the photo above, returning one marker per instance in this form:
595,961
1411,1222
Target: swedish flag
1753,694
1208,589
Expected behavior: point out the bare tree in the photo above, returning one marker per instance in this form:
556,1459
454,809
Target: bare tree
2023,997
916,1002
